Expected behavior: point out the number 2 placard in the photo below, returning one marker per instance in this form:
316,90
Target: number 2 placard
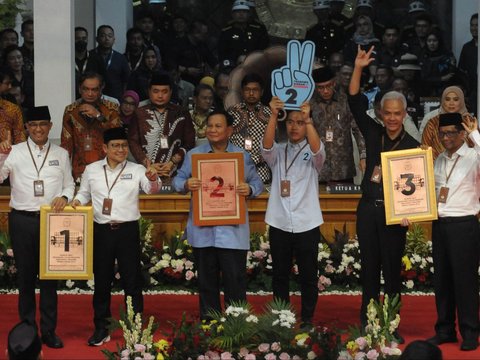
217,202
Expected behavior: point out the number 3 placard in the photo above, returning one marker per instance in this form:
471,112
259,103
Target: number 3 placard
409,185
217,202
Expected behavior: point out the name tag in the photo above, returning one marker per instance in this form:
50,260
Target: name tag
126,177
53,163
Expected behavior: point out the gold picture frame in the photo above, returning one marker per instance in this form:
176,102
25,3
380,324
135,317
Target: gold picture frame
217,202
66,243
409,185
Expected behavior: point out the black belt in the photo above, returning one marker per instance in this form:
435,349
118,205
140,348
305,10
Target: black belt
116,225
456,219
26,213
376,202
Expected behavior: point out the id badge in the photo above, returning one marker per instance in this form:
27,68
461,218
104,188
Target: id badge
38,189
88,144
329,135
164,142
443,194
248,143
376,174
107,206
285,188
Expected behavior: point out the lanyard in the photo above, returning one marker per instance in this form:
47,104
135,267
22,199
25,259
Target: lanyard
451,170
106,178
34,163
294,158
84,67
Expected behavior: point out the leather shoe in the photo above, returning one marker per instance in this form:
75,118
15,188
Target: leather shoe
398,337
52,340
469,345
442,339
99,337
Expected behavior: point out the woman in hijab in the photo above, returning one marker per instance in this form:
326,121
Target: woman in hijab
453,101
364,38
129,104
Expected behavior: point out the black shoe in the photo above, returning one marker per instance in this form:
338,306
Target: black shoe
99,337
398,337
52,340
469,345
442,339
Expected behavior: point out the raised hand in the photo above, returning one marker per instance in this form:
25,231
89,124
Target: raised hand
293,83
364,58
151,172
470,125
6,145
276,105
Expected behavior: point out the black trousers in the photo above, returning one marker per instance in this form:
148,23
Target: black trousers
212,261
455,259
123,244
381,249
25,236
284,246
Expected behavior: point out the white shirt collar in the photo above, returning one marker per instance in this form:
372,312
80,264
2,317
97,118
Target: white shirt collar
35,147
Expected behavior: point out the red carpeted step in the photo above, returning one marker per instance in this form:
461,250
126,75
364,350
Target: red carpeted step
76,320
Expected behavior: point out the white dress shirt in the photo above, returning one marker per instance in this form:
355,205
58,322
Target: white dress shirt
56,174
300,211
124,194
464,182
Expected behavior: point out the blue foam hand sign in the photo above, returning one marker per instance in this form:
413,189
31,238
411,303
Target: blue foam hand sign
293,83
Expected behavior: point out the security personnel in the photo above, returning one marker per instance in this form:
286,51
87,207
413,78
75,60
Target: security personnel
241,36
328,35
112,185
336,8
40,174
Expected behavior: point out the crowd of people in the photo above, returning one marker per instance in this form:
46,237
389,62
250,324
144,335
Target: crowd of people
163,100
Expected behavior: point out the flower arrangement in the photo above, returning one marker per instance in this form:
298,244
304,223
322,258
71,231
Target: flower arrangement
8,271
378,341
138,340
238,333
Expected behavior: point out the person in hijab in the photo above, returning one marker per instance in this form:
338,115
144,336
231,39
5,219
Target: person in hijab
453,101
129,104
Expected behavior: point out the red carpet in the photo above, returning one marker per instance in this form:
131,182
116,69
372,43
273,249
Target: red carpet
75,320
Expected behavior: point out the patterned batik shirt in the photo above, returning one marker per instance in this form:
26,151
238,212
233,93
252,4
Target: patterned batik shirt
252,124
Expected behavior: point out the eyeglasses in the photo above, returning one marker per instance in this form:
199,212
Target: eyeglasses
129,103
448,134
324,87
117,146
297,123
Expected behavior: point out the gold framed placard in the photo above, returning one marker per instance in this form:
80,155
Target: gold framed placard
217,202
66,243
409,185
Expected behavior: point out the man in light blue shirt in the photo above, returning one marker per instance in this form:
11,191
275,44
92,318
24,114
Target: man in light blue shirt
293,210
220,248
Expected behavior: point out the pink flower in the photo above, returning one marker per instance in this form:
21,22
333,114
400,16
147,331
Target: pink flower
329,269
372,354
264,347
140,348
125,353
117,276
10,252
226,356
243,352
276,347
361,342
213,355
1,264
189,275
270,356
284,356
296,357
188,265
259,254
359,355
250,357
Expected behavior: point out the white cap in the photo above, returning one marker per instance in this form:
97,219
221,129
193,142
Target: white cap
321,4
416,6
365,3
240,5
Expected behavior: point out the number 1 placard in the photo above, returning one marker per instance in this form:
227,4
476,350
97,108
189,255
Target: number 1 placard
66,243
217,202
409,185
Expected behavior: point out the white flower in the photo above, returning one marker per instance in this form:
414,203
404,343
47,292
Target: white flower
166,257
179,252
68,283
90,284
251,318
409,284
311,355
163,263
10,252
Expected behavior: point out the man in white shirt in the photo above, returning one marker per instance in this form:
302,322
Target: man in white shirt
293,210
455,235
40,174
112,186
